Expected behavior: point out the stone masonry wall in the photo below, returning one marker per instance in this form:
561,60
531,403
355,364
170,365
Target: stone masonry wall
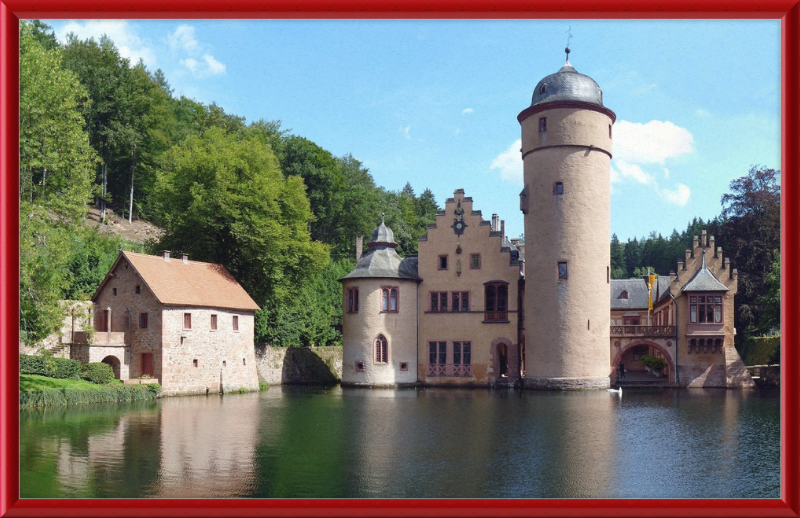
299,365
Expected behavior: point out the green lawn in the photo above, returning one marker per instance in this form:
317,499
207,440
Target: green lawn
28,382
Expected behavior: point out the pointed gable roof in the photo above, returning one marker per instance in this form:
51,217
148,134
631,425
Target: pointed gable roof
704,280
191,283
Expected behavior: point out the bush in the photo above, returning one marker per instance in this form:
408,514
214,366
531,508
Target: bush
100,373
657,364
49,366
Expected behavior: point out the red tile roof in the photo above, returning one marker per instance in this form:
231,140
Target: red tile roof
192,283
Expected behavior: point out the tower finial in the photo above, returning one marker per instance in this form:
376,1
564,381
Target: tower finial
569,37
383,217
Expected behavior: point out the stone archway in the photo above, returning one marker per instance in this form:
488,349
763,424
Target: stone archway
504,360
666,352
114,362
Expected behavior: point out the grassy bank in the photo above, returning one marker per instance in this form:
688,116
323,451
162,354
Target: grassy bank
37,390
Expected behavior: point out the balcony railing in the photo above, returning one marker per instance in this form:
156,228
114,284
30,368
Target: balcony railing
99,338
495,316
641,331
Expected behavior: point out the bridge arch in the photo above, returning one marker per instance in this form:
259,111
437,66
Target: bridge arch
666,352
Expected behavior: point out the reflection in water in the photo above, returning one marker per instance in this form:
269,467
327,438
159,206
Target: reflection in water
295,442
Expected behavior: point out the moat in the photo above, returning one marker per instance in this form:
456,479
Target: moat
301,442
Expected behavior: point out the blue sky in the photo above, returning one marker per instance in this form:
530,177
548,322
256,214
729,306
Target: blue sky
434,102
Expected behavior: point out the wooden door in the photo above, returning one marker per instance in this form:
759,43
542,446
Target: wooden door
147,364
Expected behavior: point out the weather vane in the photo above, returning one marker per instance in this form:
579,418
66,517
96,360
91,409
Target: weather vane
569,37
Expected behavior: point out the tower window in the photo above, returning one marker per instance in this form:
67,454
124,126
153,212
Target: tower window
562,271
443,262
558,188
542,124
389,298
542,89
381,350
352,300
609,131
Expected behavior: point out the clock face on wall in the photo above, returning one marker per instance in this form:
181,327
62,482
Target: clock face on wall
458,223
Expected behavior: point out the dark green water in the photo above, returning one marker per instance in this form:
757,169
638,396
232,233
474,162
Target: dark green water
426,443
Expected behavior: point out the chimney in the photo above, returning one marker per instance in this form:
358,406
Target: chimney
727,261
703,238
711,244
735,274
672,277
695,241
185,258
681,266
503,228
687,254
359,247
165,255
495,225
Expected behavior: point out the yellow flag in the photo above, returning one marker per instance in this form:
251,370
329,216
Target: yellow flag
650,285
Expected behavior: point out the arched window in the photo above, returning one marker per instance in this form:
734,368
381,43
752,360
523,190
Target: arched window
496,302
381,350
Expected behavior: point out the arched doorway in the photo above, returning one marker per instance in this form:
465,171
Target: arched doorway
114,362
630,355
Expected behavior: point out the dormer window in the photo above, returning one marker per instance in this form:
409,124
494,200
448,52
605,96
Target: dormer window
542,89
624,294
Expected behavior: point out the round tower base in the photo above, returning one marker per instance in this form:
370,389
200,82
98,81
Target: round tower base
542,383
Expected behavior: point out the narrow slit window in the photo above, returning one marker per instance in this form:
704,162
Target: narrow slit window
562,271
543,125
187,320
558,188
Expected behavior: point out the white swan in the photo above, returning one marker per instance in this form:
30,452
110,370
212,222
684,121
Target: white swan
618,391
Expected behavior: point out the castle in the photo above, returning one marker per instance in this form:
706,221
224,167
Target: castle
477,309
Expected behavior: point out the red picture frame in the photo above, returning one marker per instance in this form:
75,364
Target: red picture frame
12,10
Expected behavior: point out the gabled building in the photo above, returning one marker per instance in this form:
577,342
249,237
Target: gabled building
188,324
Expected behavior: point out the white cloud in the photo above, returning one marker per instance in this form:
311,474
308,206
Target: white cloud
509,162
467,111
406,131
128,43
207,67
183,39
627,170
650,143
678,196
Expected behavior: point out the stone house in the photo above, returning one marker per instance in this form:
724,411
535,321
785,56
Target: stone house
448,317
188,324
689,323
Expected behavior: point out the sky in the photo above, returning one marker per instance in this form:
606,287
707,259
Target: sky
435,102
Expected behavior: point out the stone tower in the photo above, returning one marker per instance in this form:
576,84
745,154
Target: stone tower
566,153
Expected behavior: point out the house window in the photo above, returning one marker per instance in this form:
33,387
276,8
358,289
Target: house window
213,322
389,299
705,309
542,124
187,320
638,352
443,262
460,300
103,317
194,362
235,322
138,289
475,261
496,302
142,320
352,300
462,359
438,301
562,271
437,358
558,188
114,291
381,350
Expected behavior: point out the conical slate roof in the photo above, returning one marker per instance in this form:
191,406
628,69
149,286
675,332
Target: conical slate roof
704,280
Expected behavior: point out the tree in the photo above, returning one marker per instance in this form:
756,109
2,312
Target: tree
771,300
56,170
221,198
618,269
750,234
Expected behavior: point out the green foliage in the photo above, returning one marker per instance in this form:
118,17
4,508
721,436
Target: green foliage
263,386
76,396
771,300
657,364
89,258
222,199
99,373
762,350
49,366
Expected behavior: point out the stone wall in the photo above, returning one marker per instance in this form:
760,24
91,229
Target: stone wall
299,365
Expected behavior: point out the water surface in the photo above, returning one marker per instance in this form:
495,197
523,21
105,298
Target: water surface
298,442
